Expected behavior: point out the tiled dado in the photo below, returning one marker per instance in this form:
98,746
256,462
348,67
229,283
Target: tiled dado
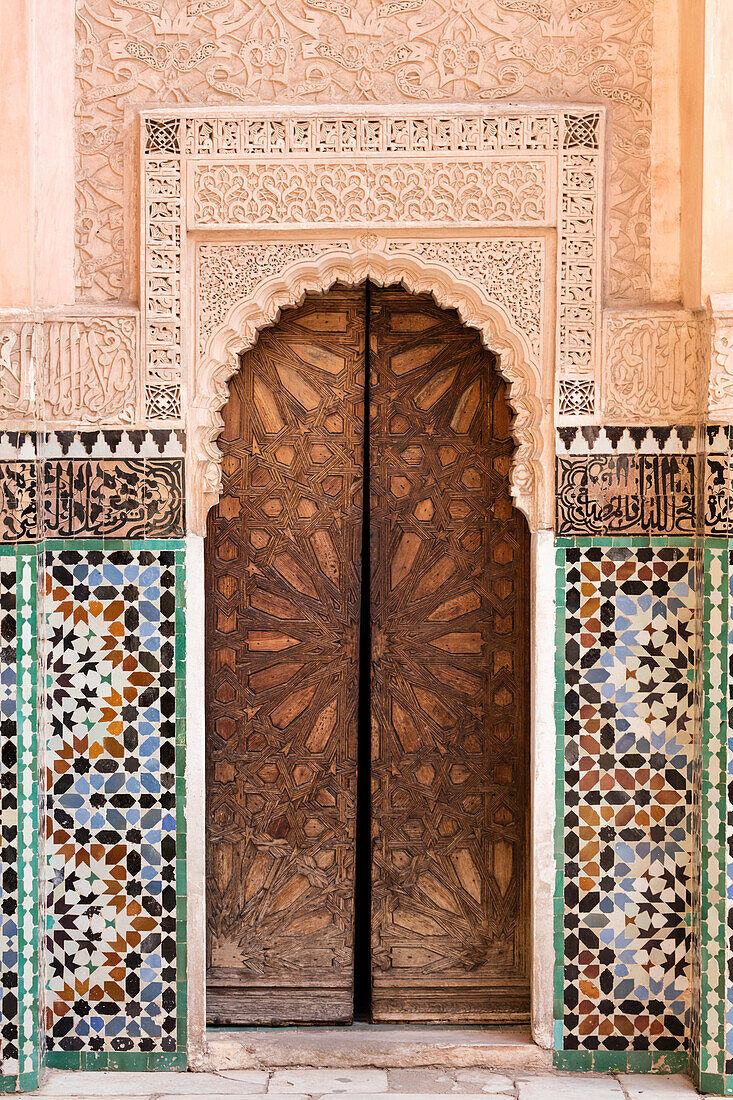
19,878
114,634
624,693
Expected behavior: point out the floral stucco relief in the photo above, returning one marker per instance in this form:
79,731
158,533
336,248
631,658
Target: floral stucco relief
131,52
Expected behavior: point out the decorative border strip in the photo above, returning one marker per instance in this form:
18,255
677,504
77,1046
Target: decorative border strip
109,443
29,836
625,494
710,1066
28,907
604,439
122,498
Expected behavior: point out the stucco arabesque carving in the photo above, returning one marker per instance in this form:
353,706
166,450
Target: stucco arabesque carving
720,385
653,366
385,262
294,53
91,370
20,336
502,192
79,368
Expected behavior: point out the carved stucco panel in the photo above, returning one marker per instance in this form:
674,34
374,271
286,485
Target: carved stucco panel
198,170
20,340
292,52
720,387
652,367
499,192
369,256
91,370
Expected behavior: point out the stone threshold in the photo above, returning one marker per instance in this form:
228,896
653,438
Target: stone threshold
383,1046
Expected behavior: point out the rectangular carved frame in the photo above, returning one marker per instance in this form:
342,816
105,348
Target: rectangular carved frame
442,174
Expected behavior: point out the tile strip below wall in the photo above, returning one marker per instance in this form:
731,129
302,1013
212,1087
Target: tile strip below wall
613,1011
128,1034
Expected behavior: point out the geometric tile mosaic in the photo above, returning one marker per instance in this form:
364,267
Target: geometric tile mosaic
625,683
115,715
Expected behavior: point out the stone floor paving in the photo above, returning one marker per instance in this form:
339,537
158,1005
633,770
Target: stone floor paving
360,1084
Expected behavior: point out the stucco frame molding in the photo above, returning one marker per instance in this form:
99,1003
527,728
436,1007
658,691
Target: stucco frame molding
391,187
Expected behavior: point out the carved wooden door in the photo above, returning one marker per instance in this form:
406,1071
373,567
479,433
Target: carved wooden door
450,673
283,586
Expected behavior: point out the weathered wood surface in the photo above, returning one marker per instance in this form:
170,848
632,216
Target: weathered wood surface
450,676
283,585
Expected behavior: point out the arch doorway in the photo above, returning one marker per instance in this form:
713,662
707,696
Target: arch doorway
367,681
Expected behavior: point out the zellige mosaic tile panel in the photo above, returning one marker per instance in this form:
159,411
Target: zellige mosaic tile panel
115,803
625,656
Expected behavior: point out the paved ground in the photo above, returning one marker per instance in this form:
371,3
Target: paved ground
360,1084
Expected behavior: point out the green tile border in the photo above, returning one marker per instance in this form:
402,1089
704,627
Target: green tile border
125,1062
713,799
623,1062
559,897
633,1061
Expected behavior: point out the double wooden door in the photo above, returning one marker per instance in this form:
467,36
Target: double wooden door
433,710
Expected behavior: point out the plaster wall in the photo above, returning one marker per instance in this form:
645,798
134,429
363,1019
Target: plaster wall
717,170
16,169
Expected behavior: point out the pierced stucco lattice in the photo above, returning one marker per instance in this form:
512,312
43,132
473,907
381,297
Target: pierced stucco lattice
228,273
511,270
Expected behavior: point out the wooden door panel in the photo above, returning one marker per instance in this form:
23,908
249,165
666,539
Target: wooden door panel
449,576
283,589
